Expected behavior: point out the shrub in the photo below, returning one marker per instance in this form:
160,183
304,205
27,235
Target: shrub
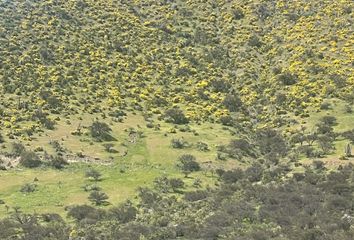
329,120
30,159
188,164
226,120
326,144
58,162
254,41
254,173
348,108
349,135
147,196
176,183
179,143
48,123
287,78
232,103
28,188
271,141
220,85
232,176
17,149
240,147
162,184
93,187
83,211
176,116
325,106
318,165
238,14
124,213
196,195
94,174
201,146
98,197
109,147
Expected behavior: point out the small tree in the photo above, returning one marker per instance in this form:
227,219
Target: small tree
311,138
100,131
188,164
98,197
94,174
325,143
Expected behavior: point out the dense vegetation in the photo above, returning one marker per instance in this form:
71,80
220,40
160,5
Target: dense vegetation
174,119
254,204
257,58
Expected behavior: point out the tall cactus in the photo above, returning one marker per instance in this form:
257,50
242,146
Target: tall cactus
348,150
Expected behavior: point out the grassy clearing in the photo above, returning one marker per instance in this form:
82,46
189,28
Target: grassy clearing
134,164
151,156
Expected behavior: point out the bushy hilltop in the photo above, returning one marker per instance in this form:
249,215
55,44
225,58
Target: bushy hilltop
211,58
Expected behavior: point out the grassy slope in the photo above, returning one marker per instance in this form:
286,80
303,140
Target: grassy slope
150,157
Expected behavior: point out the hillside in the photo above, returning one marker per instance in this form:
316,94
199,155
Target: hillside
138,109
74,56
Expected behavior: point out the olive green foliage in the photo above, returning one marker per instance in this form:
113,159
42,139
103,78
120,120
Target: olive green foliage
250,99
309,205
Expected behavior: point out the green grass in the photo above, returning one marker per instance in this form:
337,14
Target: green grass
148,158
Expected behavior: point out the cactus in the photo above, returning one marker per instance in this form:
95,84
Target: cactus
348,150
